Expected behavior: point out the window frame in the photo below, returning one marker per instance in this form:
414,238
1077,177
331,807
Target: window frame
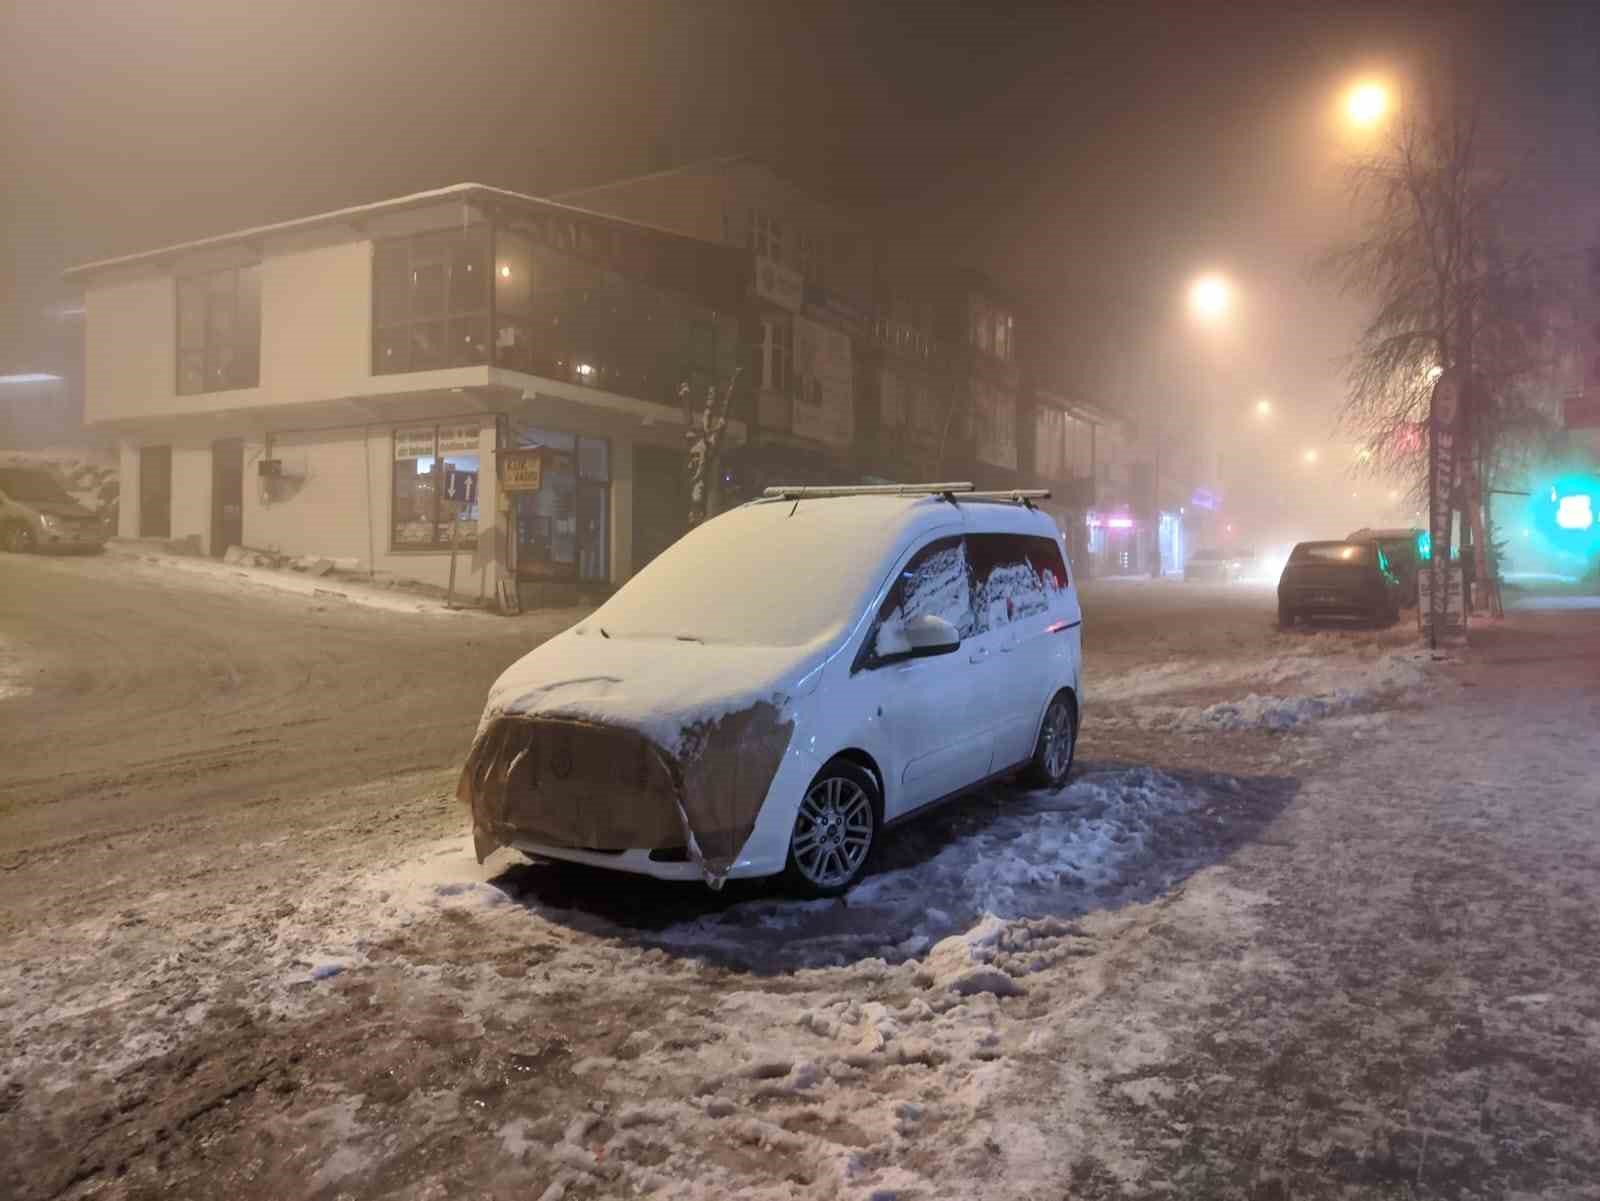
245,346
450,317
866,659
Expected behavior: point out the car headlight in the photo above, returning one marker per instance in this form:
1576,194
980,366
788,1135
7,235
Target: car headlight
54,524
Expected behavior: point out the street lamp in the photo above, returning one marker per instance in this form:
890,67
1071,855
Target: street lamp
1310,456
1263,408
1366,103
1210,297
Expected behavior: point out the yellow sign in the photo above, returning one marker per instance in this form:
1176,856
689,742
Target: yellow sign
520,470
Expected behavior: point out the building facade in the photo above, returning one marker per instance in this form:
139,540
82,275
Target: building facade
349,385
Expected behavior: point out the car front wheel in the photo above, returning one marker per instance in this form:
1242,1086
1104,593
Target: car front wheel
834,830
1058,742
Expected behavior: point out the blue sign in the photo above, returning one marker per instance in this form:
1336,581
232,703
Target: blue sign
460,486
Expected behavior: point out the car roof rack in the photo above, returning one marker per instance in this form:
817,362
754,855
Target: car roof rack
950,491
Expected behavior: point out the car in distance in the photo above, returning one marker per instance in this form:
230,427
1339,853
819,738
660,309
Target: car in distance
1216,564
784,682
37,513
1403,548
1338,579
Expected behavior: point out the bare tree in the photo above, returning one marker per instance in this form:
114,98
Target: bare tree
705,445
1452,288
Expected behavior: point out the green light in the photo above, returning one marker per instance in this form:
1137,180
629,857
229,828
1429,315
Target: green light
1424,546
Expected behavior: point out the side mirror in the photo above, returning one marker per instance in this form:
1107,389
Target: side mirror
915,639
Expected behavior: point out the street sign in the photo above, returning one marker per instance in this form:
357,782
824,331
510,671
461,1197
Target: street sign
460,486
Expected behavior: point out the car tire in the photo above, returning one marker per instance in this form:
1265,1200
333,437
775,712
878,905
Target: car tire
835,830
1052,760
18,539
1286,618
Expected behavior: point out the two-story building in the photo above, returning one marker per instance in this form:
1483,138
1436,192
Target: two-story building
349,385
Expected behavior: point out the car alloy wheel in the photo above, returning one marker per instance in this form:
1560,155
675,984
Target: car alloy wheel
834,830
19,539
1058,738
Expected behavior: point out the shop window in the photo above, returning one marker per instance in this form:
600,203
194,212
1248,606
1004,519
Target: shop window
435,487
219,331
430,301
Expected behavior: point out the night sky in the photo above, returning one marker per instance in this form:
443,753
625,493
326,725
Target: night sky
1093,155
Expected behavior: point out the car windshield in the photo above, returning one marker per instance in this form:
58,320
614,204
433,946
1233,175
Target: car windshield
1332,553
755,576
28,484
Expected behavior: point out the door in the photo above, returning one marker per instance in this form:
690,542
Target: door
227,495
660,501
155,492
1009,645
927,706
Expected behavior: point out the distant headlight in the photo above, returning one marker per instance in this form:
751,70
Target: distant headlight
51,523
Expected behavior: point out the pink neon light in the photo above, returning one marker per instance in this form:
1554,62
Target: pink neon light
1120,523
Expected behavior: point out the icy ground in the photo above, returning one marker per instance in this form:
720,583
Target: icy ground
1231,959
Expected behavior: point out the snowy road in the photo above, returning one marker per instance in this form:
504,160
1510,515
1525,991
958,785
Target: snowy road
245,952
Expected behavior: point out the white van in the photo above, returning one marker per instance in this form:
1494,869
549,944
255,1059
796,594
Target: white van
786,681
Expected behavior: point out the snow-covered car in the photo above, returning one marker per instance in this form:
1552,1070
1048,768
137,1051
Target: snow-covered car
783,683
37,513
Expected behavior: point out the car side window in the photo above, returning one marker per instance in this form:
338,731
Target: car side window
1007,582
934,581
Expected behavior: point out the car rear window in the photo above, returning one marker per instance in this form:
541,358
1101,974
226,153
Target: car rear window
1332,552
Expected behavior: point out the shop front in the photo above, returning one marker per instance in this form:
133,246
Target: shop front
557,487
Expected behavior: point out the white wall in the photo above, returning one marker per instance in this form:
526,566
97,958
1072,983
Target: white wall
191,492
335,502
316,318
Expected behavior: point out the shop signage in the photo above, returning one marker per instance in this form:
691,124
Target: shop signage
520,470
828,306
454,439
783,286
1448,619
1446,403
414,443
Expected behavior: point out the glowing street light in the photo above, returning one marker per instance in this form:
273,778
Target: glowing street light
1263,408
1310,456
1367,103
1210,297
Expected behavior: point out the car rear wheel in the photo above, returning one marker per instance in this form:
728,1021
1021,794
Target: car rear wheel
18,539
1286,617
1057,744
835,830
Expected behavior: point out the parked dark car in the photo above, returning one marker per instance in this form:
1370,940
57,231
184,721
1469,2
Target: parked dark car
1213,563
37,513
1338,579
1403,549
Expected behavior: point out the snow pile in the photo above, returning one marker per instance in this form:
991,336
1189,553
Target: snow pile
1286,692
1040,855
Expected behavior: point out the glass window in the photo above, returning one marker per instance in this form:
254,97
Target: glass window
435,487
936,580
1012,577
219,331
430,301
594,459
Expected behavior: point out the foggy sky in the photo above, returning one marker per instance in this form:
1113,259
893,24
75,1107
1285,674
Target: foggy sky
1096,155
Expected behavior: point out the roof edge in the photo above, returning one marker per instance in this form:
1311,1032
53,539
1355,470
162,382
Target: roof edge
460,191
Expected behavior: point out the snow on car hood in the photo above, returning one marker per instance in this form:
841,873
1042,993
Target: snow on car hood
657,686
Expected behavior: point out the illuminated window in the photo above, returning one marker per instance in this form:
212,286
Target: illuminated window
219,331
434,486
